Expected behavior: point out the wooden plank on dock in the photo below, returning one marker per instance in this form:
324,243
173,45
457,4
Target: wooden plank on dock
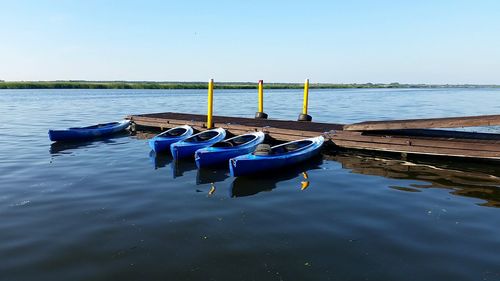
452,122
465,144
200,120
435,133
283,130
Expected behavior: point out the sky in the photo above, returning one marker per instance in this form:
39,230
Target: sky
358,41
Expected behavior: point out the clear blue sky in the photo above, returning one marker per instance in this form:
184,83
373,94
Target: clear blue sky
440,41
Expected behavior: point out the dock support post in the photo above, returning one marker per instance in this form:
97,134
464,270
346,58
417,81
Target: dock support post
304,116
210,103
260,112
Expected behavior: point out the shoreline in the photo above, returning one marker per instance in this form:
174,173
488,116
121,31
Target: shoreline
219,85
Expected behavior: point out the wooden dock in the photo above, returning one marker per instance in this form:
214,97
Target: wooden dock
398,136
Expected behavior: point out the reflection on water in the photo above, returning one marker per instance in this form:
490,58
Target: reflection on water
160,160
247,186
211,175
305,183
65,148
465,179
182,166
212,189
178,168
343,226
57,148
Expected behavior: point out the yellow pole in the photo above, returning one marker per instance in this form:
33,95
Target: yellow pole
306,97
260,112
261,96
210,103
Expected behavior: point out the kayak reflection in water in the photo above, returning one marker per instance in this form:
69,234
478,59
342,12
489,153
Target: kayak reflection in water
248,186
209,175
160,160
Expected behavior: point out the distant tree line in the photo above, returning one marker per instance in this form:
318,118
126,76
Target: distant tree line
77,84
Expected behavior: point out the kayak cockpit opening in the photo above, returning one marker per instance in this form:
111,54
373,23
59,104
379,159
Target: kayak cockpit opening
242,139
290,147
204,136
223,144
174,132
237,141
281,149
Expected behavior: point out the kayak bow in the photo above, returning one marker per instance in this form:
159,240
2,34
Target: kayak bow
187,147
222,151
163,141
90,132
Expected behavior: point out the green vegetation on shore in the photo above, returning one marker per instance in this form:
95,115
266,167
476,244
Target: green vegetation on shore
203,85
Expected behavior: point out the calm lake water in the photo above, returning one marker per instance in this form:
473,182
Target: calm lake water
110,210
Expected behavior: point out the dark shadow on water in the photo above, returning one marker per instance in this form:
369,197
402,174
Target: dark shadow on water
211,175
178,167
160,160
475,180
251,185
60,148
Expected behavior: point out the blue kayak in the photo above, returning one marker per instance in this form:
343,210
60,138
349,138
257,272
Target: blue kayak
163,141
222,151
90,132
276,157
186,148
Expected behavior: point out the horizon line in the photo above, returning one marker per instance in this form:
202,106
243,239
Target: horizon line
242,82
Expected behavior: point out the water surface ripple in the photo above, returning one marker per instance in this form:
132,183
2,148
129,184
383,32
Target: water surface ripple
111,210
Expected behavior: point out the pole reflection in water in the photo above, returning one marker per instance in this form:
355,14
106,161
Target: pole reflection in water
476,180
212,189
247,186
305,183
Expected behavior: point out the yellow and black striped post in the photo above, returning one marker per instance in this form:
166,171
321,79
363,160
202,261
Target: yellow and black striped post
210,124
260,112
304,116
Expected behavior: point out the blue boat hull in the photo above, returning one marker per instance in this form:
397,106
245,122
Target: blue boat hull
87,133
251,164
162,142
212,156
185,149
